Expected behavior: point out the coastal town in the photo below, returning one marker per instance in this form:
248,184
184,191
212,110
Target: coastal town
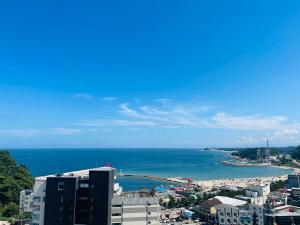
241,201
160,112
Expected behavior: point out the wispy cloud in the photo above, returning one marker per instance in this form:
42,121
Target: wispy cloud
31,132
82,95
249,122
108,99
64,131
20,132
169,114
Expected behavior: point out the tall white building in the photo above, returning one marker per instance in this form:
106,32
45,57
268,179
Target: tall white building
26,200
137,208
38,206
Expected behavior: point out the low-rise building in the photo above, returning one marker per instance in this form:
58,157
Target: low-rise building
136,208
208,212
226,214
26,201
276,199
284,215
257,212
256,194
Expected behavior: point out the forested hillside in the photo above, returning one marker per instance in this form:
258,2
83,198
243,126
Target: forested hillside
13,179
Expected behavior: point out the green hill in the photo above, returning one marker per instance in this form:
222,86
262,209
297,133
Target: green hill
13,179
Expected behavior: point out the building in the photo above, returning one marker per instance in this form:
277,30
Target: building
293,181
135,208
90,197
82,197
294,198
256,194
257,213
205,209
230,201
276,199
226,214
284,215
208,209
38,205
245,217
26,201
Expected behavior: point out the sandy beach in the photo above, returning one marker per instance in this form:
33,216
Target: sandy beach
208,185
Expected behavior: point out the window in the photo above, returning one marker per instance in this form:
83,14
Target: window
116,214
60,186
84,185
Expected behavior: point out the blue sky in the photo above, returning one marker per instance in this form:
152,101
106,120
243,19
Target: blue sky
149,73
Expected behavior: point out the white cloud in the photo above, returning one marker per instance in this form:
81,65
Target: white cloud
125,110
284,136
252,122
82,96
168,114
108,99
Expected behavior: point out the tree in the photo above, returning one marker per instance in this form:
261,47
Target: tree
276,185
13,179
10,210
171,202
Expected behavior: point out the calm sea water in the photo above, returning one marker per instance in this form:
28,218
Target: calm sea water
161,162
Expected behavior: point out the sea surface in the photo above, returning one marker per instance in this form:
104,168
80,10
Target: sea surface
187,163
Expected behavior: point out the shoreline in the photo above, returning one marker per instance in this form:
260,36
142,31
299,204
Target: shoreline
216,150
209,184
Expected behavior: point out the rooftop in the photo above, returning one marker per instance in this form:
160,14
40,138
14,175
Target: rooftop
79,173
230,201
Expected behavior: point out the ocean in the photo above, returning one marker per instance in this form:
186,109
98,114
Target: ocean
189,163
